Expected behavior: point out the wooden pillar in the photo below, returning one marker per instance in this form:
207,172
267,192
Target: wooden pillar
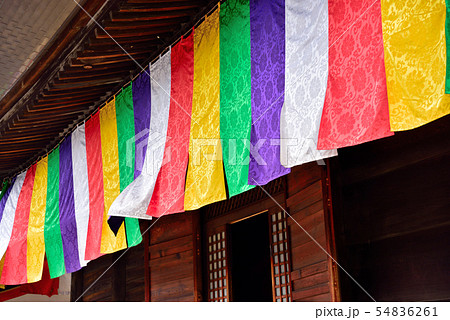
313,275
119,277
77,285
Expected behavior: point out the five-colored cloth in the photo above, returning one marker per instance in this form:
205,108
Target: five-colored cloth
237,103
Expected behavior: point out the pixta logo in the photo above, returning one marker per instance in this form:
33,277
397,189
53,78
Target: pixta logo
149,148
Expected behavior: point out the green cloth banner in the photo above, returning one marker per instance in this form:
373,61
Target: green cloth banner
125,133
52,229
235,93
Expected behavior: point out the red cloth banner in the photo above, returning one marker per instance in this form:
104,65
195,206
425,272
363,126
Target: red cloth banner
95,181
15,267
168,196
356,105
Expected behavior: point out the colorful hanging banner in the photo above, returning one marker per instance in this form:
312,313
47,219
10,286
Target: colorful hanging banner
135,199
356,105
81,189
125,134
111,177
95,181
35,234
306,81
15,264
260,93
168,196
267,66
67,219
5,188
415,51
6,191
205,182
141,92
52,230
235,93
126,142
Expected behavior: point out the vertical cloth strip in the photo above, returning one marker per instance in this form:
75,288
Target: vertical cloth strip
268,65
306,81
111,177
141,92
95,181
52,230
67,219
81,189
35,236
135,199
15,265
205,182
356,105
4,212
168,196
127,150
235,93
415,50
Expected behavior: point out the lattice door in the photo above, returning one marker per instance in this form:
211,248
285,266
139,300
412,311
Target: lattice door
219,286
218,275
281,280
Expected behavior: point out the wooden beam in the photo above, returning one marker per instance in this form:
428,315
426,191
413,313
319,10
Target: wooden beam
136,32
159,6
142,16
121,25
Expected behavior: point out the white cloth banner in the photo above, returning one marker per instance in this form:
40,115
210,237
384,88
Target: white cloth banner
134,200
81,189
306,75
9,213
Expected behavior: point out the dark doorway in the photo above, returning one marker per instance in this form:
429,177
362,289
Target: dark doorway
251,276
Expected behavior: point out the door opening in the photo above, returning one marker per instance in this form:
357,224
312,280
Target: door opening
251,276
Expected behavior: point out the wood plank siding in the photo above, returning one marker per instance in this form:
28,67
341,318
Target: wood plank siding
171,267
313,271
392,205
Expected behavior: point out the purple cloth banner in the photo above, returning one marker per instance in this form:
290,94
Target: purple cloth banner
267,68
68,223
5,198
142,107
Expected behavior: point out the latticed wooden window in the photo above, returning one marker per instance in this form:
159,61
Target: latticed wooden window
220,255
218,277
280,257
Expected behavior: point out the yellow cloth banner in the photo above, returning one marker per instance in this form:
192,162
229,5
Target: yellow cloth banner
205,182
35,235
415,59
111,177
2,262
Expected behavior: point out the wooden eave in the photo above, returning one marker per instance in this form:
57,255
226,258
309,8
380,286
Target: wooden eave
59,91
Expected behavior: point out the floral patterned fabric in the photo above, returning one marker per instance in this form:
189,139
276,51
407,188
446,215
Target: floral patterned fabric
415,50
267,67
15,264
306,81
205,182
168,196
235,93
356,104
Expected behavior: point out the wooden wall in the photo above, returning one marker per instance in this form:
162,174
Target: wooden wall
313,273
123,281
391,207
174,258
168,265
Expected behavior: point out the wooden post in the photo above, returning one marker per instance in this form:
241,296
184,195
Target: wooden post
119,277
146,241
329,233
